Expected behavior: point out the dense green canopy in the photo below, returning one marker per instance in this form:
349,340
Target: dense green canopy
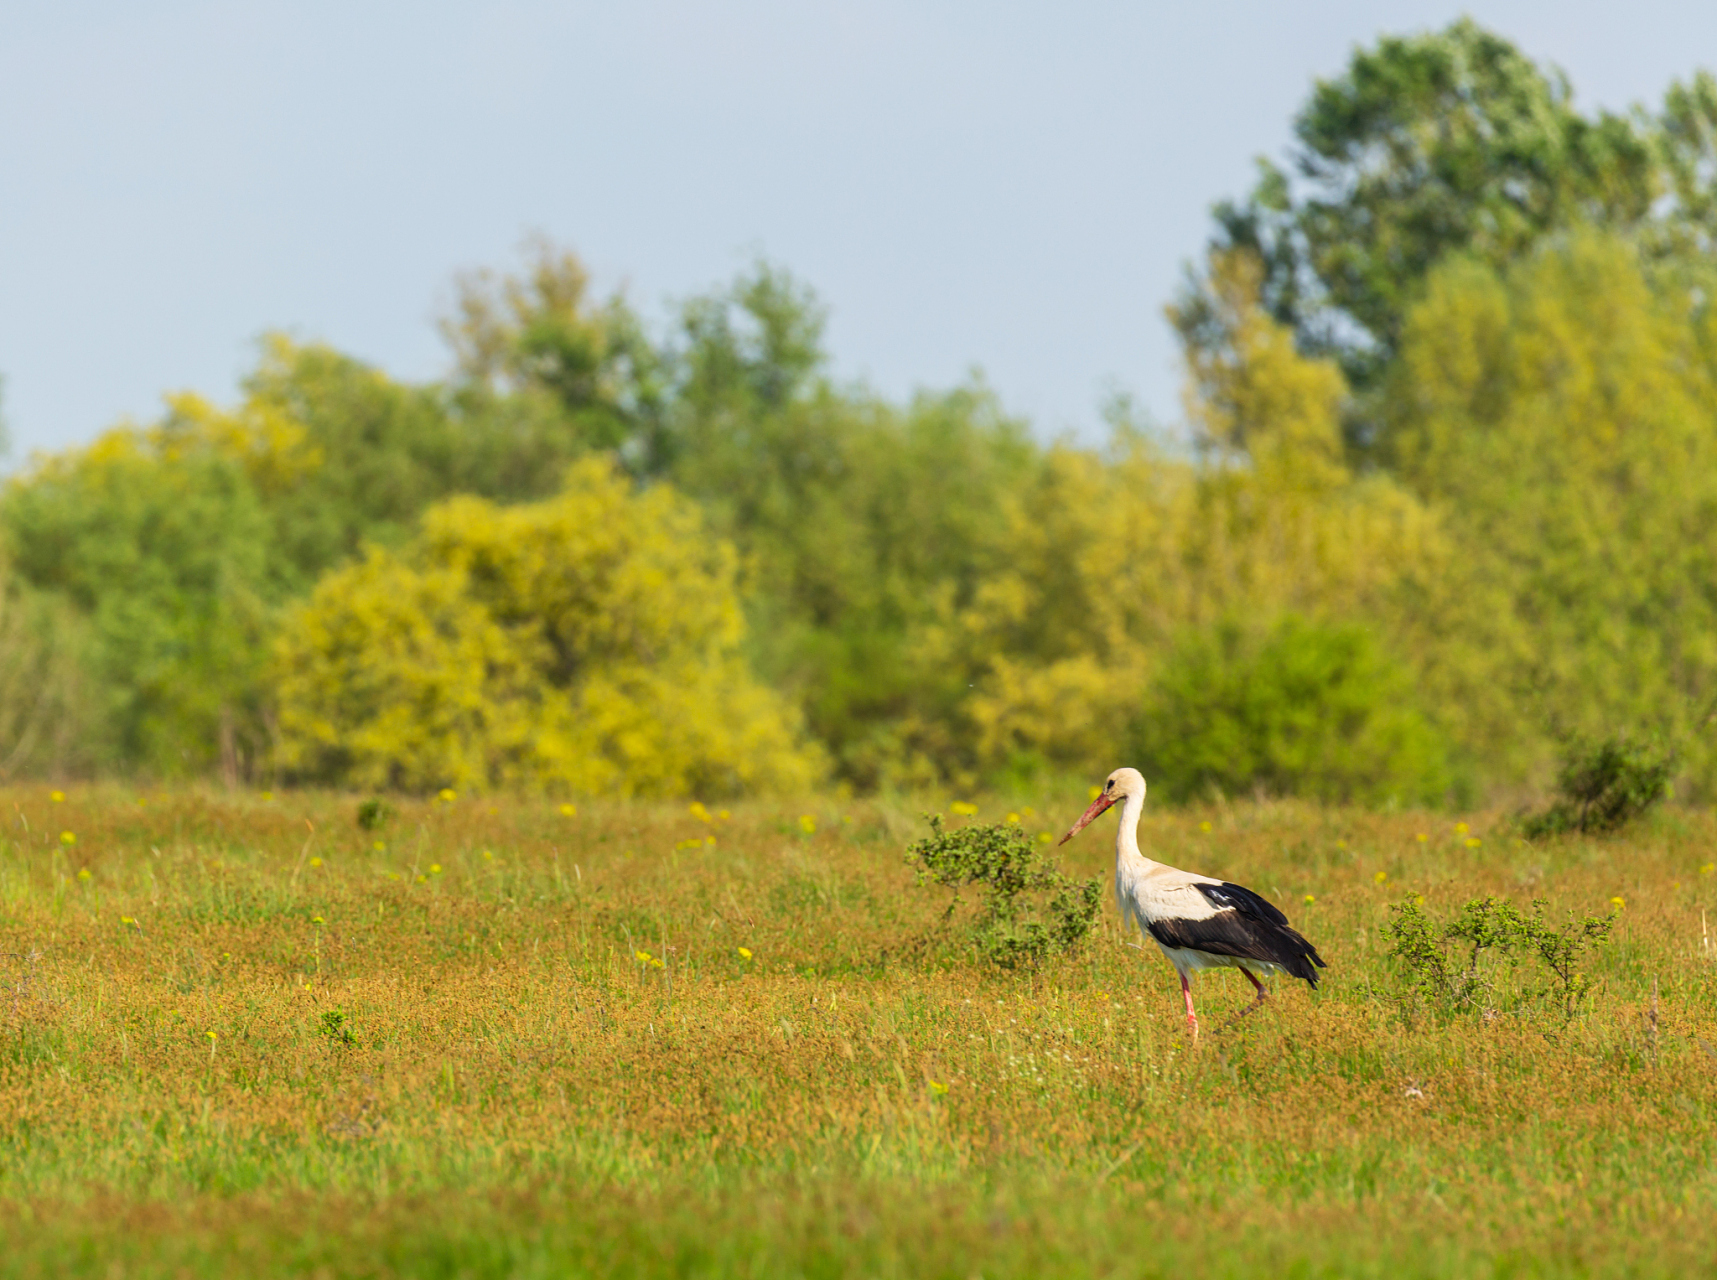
1450,498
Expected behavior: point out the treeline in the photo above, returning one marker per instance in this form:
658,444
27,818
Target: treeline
1446,501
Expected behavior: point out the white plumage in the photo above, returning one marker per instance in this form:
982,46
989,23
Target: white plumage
1198,922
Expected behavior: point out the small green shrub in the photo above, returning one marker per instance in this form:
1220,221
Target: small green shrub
1454,967
374,813
1297,708
1030,907
1604,786
337,1029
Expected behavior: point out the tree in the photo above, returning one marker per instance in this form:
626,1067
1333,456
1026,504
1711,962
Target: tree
1564,411
861,523
158,541
539,336
1294,708
1107,565
353,456
1452,142
171,547
586,644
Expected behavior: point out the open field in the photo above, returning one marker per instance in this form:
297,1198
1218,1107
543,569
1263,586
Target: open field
241,1033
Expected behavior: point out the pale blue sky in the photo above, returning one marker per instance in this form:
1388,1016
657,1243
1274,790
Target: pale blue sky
1004,186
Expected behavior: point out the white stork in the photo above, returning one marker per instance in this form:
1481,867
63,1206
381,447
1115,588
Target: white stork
1198,922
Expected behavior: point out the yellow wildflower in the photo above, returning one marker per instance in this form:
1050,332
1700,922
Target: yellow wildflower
83,873
1380,877
68,838
1013,819
699,812
938,1089
435,868
568,810
808,824
963,808
448,795
745,953
58,797
315,862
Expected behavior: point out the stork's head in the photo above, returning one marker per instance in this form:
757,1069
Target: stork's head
1118,786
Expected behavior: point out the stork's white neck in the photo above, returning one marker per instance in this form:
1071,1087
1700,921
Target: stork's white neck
1127,831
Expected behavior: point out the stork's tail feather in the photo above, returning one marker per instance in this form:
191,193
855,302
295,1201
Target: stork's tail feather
1252,927
1299,957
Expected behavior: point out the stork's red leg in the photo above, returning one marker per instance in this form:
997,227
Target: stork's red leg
1191,1017
1263,995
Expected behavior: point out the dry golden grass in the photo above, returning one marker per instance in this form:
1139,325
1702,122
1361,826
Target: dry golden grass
248,1038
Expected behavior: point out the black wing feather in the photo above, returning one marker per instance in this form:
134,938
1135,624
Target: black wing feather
1246,926
1236,897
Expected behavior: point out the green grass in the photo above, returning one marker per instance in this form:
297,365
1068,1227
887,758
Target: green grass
508,1089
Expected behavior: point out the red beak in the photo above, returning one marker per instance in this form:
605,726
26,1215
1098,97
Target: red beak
1098,805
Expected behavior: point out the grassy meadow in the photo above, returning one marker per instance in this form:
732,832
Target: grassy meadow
242,1033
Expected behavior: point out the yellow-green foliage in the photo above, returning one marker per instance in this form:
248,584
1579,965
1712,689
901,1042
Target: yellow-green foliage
1109,562
586,644
152,548
1564,414
1519,546
245,1035
163,552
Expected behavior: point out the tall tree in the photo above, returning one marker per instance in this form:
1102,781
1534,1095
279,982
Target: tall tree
1563,411
540,335
159,545
586,644
1454,142
864,524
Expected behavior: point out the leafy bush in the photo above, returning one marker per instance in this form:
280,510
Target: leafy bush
587,644
1030,907
1300,708
1604,786
337,1029
374,813
1490,928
